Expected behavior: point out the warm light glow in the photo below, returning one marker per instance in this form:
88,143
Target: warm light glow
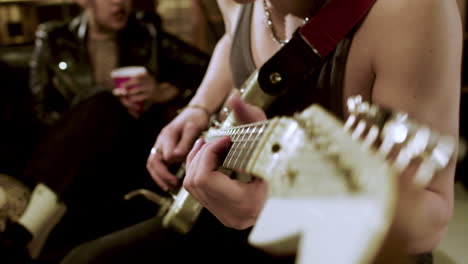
63,65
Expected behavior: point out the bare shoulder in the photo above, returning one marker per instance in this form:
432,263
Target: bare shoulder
416,19
404,6
230,11
416,50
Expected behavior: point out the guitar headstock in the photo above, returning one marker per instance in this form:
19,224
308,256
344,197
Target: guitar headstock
323,185
400,139
333,185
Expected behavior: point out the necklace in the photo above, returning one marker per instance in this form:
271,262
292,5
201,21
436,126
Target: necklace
269,23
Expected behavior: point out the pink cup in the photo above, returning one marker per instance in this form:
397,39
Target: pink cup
123,74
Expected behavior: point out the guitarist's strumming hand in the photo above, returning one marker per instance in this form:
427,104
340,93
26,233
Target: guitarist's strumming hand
173,144
234,203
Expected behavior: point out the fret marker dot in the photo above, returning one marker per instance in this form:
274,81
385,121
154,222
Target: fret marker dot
276,148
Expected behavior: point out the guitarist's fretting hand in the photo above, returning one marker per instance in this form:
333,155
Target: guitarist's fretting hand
173,144
234,203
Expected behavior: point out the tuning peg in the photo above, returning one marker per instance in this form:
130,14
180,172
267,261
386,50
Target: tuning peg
353,102
413,148
349,122
424,174
352,105
438,159
359,130
444,151
371,137
394,132
366,122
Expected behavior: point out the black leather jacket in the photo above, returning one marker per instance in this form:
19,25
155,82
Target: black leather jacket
61,73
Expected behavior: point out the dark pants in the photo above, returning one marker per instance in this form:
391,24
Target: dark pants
91,159
208,242
94,144
149,242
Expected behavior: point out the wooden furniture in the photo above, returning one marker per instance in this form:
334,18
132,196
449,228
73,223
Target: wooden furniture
20,18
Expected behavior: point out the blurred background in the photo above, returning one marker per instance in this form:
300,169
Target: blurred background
196,21
199,23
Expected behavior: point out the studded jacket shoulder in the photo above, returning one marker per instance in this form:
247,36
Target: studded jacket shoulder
60,69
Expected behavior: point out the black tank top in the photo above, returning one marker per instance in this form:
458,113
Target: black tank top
325,87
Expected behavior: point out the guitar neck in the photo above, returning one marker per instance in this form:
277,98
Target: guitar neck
244,140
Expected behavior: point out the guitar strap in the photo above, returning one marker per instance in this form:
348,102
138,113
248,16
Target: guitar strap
304,54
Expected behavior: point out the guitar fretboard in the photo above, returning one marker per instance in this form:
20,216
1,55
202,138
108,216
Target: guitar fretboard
244,140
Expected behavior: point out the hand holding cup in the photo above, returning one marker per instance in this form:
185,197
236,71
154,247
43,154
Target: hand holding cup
133,85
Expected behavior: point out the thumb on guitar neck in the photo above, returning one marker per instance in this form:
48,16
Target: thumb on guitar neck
245,113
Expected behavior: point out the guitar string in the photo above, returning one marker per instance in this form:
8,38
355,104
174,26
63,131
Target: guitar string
240,146
255,141
239,150
235,139
229,131
248,145
236,147
231,134
233,150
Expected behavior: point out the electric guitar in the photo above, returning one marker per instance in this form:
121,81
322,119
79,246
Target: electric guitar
331,185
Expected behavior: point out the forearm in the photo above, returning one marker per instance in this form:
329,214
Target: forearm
217,82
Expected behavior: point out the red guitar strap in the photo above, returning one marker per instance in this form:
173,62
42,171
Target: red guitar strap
330,25
310,44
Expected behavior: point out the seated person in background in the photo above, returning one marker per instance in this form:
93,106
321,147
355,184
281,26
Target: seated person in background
97,137
419,73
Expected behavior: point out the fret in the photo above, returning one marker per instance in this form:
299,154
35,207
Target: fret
234,130
231,154
224,131
241,148
255,141
249,143
244,140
